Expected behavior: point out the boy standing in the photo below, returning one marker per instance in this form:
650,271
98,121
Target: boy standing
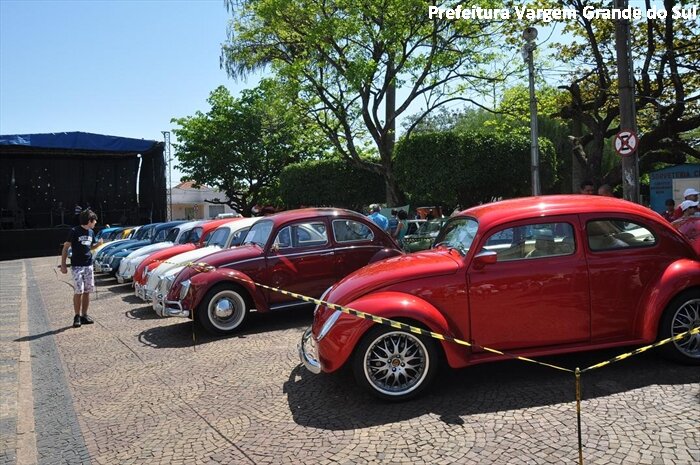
82,241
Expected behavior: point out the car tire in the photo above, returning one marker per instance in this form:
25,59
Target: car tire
223,310
682,314
410,361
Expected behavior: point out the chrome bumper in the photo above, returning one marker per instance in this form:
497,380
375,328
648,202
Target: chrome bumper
141,292
168,308
308,352
123,279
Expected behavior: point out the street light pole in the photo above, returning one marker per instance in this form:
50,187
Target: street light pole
530,34
166,138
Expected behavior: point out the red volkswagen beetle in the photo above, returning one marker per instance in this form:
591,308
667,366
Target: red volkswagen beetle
303,251
533,276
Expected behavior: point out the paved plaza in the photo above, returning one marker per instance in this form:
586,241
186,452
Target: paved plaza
137,389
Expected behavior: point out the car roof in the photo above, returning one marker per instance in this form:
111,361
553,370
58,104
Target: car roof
550,205
303,213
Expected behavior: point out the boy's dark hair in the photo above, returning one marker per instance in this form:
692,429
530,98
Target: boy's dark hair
402,214
670,202
585,183
86,216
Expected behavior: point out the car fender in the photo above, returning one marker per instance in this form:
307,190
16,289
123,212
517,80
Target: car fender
342,339
679,276
201,283
384,253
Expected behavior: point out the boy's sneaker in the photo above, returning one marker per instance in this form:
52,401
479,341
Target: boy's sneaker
76,321
86,320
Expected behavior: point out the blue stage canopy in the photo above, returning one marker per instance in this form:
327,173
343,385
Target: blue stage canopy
78,141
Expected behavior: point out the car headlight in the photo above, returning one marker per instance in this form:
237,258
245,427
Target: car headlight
144,273
184,289
328,324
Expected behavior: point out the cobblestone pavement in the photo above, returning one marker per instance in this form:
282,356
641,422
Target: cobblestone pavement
134,389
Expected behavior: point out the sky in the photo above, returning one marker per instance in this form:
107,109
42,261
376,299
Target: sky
115,67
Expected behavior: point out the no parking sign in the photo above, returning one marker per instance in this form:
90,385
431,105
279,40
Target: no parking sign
626,142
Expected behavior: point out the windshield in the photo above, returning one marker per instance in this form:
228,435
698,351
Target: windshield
219,237
259,233
458,234
142,233
171,236
431,227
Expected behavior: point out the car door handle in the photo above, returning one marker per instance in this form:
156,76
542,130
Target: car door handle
327,254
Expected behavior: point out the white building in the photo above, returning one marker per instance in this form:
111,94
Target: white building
189,203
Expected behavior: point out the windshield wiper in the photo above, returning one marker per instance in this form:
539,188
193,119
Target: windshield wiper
460,248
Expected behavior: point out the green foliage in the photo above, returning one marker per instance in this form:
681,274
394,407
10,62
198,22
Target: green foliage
241,144
329,182
467,168
348,57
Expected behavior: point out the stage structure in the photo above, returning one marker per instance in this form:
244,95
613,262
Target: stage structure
45,177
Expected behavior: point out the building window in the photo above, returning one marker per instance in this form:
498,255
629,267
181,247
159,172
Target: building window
215,210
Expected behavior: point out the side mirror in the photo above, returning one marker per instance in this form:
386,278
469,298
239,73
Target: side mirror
483,258
275,248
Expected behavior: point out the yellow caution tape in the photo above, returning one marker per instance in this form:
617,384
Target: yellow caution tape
643,349
441,337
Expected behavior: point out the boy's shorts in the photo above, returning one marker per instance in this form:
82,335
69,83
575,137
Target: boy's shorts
84,279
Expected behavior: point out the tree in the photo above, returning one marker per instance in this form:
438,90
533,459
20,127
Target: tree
666,54
242,144
467,168
349,57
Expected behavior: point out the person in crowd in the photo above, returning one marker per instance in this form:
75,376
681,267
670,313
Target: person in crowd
586,187
401,227
605,190
670,205
378,219
82,240
393,221
689,224
688,194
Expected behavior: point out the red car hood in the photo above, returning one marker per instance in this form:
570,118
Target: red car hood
394,270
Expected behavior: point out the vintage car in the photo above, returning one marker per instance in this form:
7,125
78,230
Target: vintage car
201,237
109,263
230,234
533,276
302,251
181,234
423,238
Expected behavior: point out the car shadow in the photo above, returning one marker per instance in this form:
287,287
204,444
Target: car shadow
145,312
337,402
120,288
132,299
181,335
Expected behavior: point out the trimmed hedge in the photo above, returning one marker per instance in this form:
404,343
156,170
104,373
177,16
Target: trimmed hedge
449,168
329,183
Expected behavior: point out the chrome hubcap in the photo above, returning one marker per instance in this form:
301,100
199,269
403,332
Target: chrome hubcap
396,363
224,309
227,310
686,318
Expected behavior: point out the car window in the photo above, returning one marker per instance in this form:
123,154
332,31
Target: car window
162,234
171,235
206,237
238,237
532,241
302,235
219,237
610,234
194,235
259,233
351,231
412,227
458,233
